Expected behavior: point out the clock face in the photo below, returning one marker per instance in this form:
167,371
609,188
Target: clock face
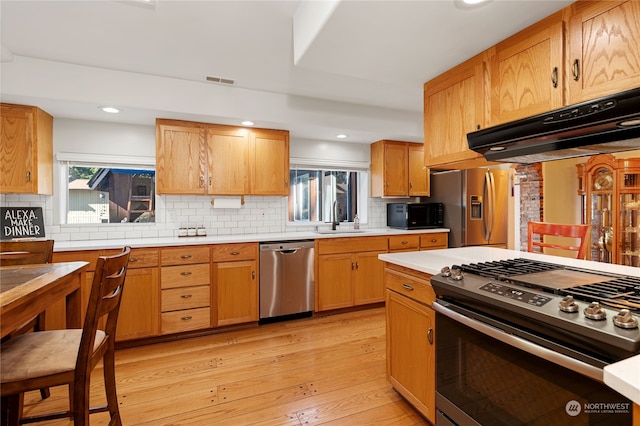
603,181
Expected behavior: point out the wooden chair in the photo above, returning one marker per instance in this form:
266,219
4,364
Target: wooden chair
25,253
67,357
573,232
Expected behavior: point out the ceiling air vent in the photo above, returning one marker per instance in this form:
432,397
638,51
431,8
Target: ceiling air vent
221,80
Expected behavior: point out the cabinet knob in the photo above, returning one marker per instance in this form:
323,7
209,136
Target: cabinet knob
430,335
201,181
554,77
253,275
575,69
28,176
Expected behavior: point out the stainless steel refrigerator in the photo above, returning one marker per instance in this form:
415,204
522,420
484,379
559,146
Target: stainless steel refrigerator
475,205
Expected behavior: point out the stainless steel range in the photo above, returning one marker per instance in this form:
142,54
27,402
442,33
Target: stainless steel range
555,325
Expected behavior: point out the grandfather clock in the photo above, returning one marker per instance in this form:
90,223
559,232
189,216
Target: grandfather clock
610,192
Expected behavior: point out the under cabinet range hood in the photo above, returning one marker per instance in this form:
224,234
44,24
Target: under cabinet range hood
604,125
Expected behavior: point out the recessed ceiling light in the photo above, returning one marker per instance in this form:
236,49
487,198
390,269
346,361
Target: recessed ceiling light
342,136
110,110
248,123
473,1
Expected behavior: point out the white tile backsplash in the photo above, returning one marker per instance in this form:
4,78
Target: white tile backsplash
259,215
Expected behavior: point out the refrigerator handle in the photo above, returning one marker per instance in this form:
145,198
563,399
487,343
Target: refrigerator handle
489,219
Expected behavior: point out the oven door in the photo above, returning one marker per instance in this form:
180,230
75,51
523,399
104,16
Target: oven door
487,376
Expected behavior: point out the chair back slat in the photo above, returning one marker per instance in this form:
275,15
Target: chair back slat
14,253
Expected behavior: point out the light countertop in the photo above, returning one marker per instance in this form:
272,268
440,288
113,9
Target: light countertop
235,238
623,376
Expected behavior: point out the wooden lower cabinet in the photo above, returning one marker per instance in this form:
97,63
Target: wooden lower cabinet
349,272
411,338
235,283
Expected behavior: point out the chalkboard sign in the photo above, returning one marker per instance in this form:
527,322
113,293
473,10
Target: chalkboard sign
21,222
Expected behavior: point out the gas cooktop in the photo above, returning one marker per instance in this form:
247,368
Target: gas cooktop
597,311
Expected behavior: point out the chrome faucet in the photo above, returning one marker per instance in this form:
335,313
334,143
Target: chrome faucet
335,222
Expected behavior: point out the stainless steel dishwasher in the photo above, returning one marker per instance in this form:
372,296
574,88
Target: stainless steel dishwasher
286,279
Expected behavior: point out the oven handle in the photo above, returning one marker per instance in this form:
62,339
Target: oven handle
520,343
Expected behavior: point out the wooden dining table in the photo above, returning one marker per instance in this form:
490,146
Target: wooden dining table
27,290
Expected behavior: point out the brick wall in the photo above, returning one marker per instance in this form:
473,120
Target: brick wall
531,198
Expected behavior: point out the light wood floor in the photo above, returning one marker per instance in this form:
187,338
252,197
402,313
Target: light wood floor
317,371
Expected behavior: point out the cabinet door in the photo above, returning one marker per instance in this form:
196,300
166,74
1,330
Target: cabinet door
369,278
139,309
418,172
410,351
334,288
228,161
454,105
526,72
604,49
396,169
269,159
180,160
236,292
26,150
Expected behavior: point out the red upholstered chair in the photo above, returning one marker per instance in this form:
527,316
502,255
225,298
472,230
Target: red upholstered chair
570,234
67,357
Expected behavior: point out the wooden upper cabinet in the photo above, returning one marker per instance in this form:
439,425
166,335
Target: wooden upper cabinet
26,150
228,160
180,158
604,48
269,160
527,72
418,172
397,169
210,159
454,105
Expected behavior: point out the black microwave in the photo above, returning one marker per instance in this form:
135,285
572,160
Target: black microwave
415,215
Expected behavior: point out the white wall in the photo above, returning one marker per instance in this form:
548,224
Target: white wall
258,215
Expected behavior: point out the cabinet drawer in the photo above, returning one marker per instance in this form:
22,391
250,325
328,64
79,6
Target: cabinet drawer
351,244
187,320
184,276
230,252
90,256
175,299
184,255
404,242
433,241
143,258
416,289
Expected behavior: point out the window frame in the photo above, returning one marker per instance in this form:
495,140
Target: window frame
65,160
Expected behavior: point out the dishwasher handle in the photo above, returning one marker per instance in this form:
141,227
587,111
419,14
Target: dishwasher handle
288,251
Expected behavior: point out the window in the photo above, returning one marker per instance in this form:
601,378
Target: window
316,195
108,192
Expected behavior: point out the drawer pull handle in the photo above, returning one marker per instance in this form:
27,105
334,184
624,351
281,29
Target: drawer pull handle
133,259
433,240
554,77
185,273
575,69
235,253
185,296
405,242
430,335
187,318
407,286
253,275
186,256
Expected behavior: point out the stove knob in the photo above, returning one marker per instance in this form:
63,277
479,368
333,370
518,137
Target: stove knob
446,271
456,274
624,319
568,305
595,312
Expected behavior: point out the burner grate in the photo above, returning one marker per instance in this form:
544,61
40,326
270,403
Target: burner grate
507,268
621,293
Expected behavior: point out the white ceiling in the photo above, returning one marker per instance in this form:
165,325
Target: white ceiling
316,68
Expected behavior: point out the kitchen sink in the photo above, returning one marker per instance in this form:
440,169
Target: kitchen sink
339,231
